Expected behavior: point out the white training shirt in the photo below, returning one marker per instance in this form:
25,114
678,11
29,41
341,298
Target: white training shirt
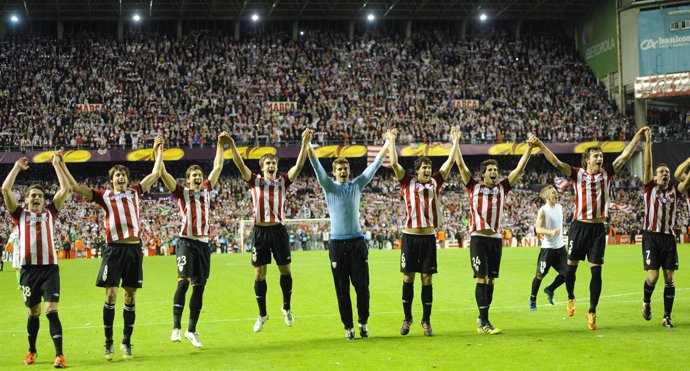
553,219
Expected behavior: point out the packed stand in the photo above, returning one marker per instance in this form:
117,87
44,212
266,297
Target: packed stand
191,89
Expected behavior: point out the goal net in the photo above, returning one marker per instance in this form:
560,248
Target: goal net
304,234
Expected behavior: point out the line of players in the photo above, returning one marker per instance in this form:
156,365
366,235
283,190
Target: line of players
122,257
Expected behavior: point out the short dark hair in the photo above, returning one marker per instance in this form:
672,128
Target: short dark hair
421,161
485,164
34,186
660,165
588,151
116,168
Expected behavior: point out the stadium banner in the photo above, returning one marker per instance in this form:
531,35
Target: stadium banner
662,85
281,106
332,151
468,104
596,37
664,40
89,107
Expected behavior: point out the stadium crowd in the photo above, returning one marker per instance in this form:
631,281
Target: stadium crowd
89,91
382,216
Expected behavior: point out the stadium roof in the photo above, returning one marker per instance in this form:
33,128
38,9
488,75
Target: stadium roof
296,9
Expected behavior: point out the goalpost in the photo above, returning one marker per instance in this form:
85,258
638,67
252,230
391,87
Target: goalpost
305,234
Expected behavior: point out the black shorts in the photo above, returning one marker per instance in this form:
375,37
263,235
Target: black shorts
40,281
269,240
418,253
556,258
485,256
193,260
587,240
121,261
659,251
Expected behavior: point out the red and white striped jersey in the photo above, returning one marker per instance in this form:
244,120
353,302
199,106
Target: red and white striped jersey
487,204
591,192
195,208
422,201
268,197
660,208
121,212
35,238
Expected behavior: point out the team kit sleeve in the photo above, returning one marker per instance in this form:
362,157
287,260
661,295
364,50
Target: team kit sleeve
251,180
574,170
320,172
98,196
16,214
439,181
470,184
177,193
505,183
369,172
287,180
136,187
206,185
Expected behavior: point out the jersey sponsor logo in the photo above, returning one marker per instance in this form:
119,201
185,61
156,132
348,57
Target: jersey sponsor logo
37,219
489,191
429,185
594,179
663,198
118,196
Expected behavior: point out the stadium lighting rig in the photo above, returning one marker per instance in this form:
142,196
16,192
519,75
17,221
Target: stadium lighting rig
14,19
371,17
136,18
255,17
483,17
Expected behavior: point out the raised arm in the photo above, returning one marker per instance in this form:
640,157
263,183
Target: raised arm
680,170
541,225
76,187
683,186
239,162
647,168
321,175
445,168
370,171
629,150
393,157
65,190
7,194
168,180
218,160
465,173
150,179
306,142
520,168
550,157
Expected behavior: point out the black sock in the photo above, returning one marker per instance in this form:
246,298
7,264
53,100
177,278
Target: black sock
286,287
594,288
178,302
480,296
260,289
129,316
407,296
195,304
55,331
427,299
489,294
648,291
669,295
536,282
557,282
108,319
32,325
570,280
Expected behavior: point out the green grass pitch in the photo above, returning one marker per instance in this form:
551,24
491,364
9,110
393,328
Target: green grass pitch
545,339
